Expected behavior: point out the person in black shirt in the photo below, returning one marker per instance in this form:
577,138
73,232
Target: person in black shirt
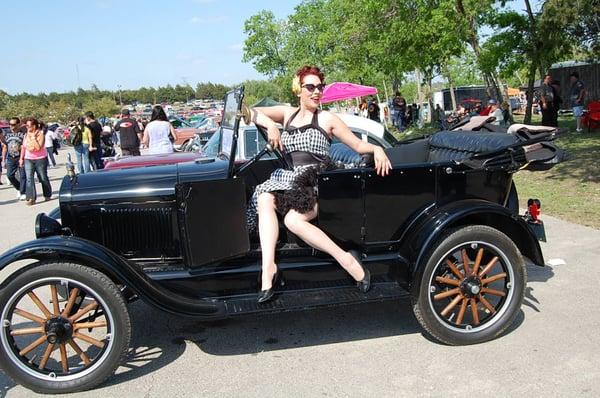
11,151
130,134
96,130
547,101
373,111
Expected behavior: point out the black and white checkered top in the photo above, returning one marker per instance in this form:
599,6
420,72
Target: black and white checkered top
310,138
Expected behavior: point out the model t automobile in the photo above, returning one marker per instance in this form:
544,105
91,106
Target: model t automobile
443,229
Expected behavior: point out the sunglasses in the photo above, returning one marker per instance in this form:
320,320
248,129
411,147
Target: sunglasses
311,87
12,124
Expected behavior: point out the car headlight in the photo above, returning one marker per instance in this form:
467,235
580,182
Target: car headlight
46,226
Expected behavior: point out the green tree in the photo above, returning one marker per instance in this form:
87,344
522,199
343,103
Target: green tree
103,107
264,44
255,90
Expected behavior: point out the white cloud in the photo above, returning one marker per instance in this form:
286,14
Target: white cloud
236,47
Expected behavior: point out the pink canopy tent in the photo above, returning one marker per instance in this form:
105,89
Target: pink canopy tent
342,90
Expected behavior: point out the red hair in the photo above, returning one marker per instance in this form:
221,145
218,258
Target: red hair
310,70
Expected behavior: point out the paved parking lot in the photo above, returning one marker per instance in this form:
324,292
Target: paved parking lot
368,350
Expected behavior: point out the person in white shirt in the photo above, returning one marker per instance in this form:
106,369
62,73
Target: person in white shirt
159,133
496,112
49,144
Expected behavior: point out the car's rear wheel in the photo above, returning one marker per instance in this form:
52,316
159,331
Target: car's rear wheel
54,345
472,286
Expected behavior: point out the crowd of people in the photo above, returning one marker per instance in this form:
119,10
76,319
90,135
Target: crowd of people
550,100
28,148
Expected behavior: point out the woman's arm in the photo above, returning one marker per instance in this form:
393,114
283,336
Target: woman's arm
145,138
88,133
267,117
341,131
22,157
173,133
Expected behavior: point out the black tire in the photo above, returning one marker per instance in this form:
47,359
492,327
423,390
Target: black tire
67,358
444,285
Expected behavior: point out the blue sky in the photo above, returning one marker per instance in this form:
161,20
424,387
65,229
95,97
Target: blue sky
131,43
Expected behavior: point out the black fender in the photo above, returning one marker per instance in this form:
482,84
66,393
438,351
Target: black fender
424,232
88,253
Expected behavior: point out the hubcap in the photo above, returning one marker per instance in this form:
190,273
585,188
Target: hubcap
58,330
470,286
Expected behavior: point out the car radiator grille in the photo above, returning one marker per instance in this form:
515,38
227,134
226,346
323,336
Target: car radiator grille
135,231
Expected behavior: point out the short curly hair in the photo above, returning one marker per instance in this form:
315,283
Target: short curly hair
305,71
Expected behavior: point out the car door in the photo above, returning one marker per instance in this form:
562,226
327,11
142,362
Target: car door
212,220
341,204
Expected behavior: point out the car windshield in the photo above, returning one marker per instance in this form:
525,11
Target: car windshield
211,148
178,122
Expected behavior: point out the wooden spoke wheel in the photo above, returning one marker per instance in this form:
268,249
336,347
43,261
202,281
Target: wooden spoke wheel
472,286
65,327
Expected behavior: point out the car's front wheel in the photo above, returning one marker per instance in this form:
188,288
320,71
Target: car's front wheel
65,327
472,286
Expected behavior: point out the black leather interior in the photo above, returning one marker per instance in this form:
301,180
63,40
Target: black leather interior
440,147
344,157
447,145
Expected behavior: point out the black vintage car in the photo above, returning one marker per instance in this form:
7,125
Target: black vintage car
443,229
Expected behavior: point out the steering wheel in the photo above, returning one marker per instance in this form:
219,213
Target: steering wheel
268,148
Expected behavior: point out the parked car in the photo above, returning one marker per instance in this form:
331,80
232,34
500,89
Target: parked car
185,131
437,229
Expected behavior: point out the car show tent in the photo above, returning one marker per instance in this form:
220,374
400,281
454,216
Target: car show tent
338,91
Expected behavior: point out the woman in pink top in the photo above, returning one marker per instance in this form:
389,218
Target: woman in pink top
34,157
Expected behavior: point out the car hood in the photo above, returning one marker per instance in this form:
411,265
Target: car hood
151,160
138,184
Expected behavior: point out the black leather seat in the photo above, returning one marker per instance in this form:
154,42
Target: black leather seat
454,145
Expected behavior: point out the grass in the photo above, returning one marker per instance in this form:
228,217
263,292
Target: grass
571,189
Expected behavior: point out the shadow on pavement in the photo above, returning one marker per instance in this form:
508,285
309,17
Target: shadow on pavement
159,338
536,273
6,384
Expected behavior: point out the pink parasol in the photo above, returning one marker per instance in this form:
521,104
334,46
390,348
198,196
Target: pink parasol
341,90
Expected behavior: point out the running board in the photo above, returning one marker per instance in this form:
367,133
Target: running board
297,300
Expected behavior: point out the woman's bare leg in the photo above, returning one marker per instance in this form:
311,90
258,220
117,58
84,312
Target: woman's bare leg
268,231
299,224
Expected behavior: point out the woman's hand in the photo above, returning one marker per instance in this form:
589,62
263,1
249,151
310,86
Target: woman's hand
274,136
382,163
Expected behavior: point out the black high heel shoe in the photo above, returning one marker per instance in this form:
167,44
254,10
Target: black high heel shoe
266,295
365,283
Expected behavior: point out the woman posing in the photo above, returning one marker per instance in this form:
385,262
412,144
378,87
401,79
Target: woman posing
34,158
307,146
157,132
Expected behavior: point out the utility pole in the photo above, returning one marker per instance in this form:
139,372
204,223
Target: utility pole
185,82
77,70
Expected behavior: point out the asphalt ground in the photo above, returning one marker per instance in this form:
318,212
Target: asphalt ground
552,350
